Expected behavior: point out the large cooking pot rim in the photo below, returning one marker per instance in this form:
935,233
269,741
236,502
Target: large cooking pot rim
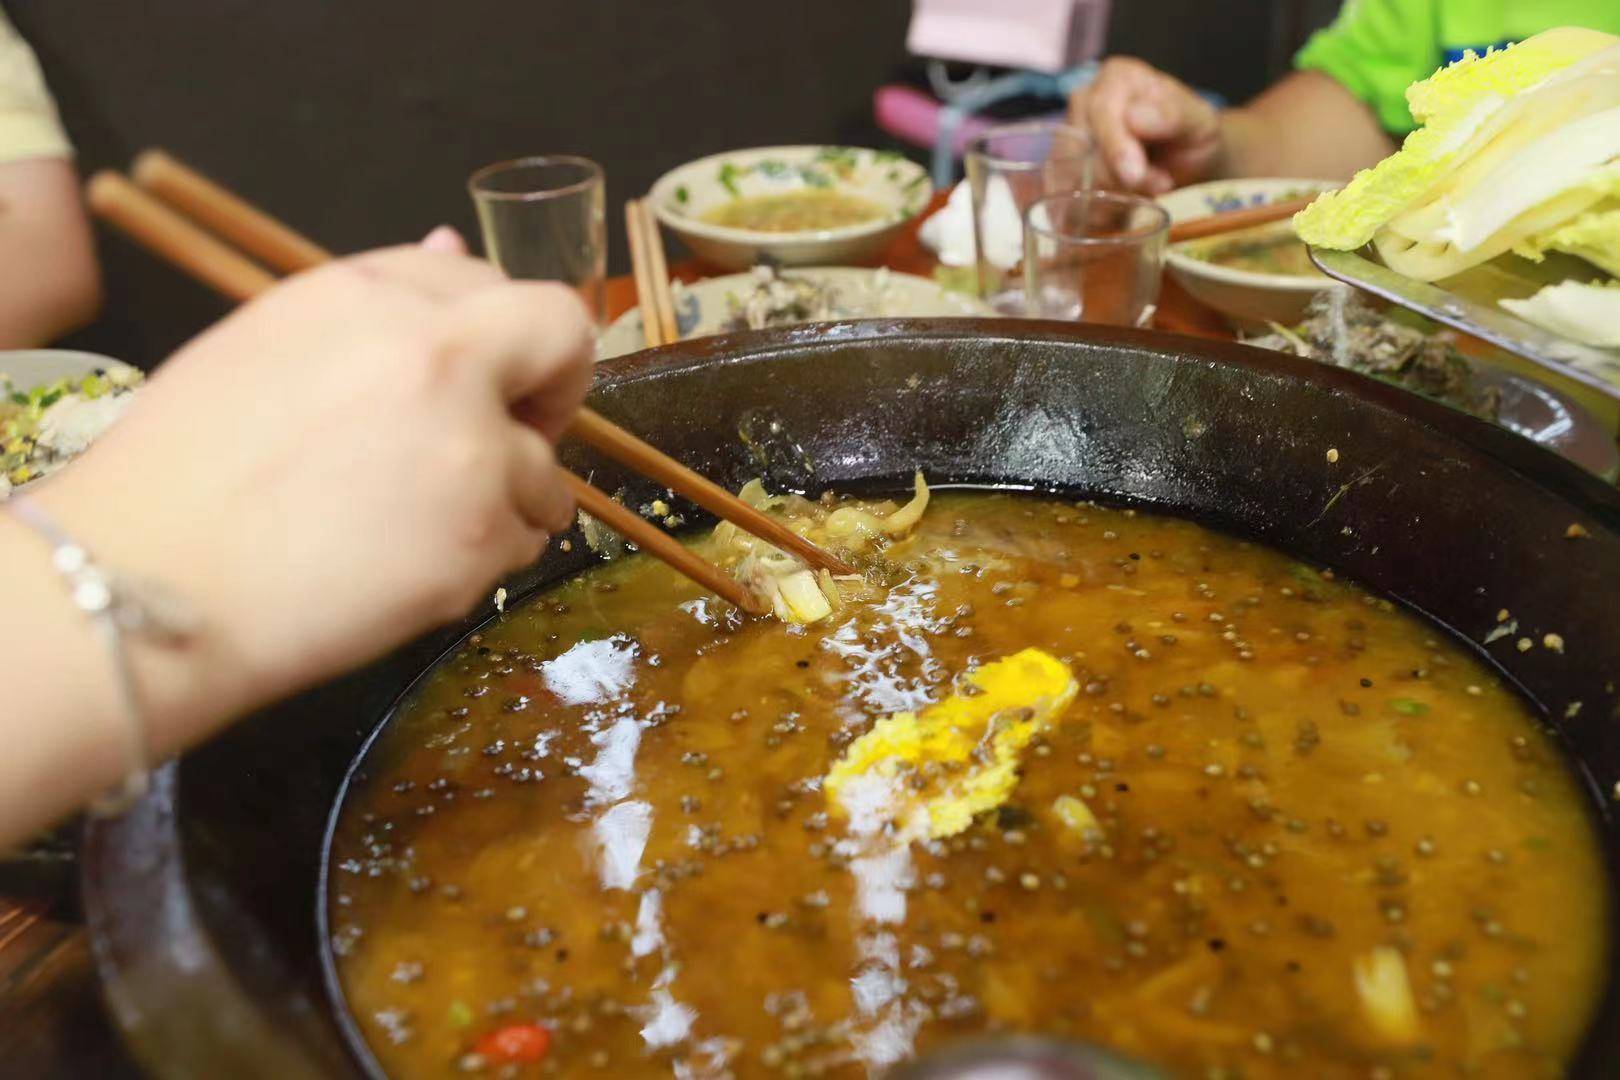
1546,468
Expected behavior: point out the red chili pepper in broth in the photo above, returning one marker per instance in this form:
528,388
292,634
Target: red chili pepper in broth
519,1044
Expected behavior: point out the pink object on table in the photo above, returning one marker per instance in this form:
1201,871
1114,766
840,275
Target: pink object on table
913,116
1034,35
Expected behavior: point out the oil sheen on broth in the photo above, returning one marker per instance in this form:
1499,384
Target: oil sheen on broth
795,211
1282,829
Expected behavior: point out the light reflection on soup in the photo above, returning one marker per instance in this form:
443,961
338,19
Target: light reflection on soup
1281,830
806,210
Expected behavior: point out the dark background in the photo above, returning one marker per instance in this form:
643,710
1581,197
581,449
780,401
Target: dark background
358,121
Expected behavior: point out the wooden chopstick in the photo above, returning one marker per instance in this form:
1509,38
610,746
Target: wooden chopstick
175,238
652,330
663,296
651,273
653,540
171,236
1233,220
233,218
612,441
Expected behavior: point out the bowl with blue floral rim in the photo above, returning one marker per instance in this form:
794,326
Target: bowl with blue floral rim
791,205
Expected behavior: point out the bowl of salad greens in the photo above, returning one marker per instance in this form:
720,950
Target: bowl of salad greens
53,405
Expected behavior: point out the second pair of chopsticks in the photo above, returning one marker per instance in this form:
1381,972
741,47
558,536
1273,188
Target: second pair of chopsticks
657,302
160,224
1233,220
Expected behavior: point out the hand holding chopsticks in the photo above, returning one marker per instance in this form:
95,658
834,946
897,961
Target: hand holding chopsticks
199,253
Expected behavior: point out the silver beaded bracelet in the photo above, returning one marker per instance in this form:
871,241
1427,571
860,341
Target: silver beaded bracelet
116,606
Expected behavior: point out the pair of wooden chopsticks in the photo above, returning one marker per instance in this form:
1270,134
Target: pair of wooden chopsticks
653,293
154,212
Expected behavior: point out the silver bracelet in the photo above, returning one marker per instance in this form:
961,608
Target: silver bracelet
116,606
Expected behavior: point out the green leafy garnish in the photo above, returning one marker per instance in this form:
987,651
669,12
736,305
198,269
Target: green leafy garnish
814,177
1408,706
772,169
681,194
728,178
842,159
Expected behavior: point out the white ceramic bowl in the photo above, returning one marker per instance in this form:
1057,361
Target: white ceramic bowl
1249,299
683,195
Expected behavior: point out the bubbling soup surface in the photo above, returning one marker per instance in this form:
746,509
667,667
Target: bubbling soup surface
1283,829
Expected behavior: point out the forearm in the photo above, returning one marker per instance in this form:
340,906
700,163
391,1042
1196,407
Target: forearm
1307,126
64,724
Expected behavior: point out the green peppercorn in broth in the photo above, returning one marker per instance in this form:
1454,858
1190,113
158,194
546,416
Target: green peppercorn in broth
1259,824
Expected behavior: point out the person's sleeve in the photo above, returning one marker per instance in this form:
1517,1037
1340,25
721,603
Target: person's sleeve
29,125
1376,49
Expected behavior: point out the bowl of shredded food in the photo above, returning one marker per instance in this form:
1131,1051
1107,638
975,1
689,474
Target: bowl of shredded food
53,405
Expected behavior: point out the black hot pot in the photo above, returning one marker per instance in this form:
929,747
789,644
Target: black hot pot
202,900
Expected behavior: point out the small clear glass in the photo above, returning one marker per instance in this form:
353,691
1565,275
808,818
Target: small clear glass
544,219
1094,256
1008,168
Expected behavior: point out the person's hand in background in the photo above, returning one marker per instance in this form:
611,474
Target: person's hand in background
1153,132
343,463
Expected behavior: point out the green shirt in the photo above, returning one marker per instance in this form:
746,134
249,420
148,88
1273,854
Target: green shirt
1377,48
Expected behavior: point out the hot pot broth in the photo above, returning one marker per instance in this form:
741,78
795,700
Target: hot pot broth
1282,829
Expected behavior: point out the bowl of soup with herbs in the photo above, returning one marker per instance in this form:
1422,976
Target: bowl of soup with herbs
1043,767
791,205
1254,276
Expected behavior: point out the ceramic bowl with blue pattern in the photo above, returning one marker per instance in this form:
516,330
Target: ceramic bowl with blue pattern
1254,276
708,204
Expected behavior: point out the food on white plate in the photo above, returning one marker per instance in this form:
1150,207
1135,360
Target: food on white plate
44,427
786,299
1519,151
1346,330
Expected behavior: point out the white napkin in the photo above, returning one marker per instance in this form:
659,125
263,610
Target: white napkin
949,232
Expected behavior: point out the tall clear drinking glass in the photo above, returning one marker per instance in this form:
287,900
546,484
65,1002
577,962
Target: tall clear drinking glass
1094,256
1008,168
544,219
